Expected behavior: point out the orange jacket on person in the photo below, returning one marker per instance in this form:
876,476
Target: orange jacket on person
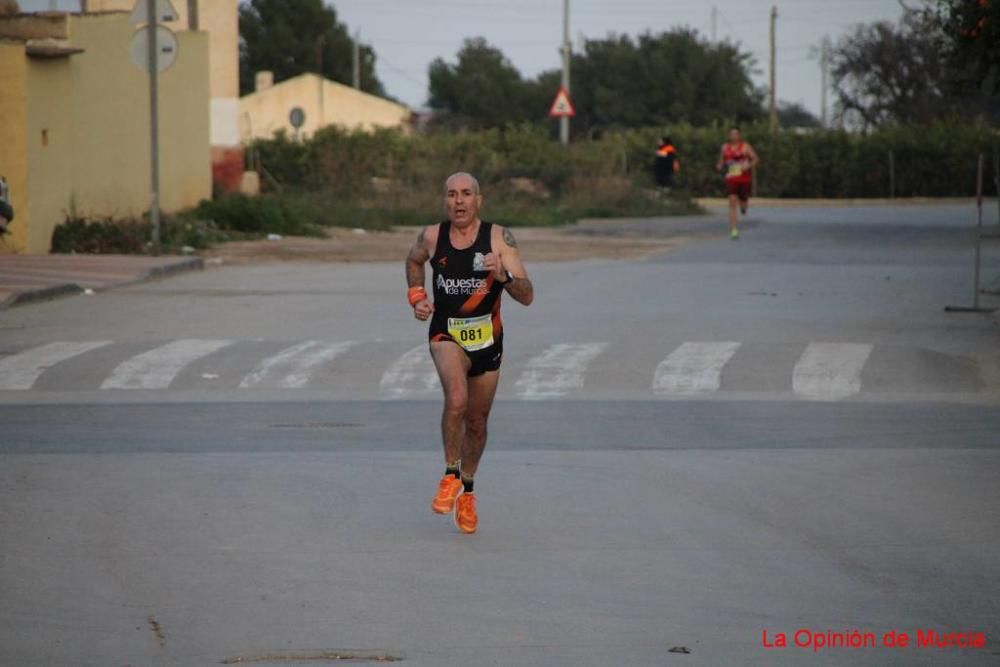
665,151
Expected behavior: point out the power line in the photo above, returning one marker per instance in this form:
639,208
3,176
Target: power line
797,47
465,6
431,40
380,60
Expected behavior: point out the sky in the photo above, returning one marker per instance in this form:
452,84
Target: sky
408,34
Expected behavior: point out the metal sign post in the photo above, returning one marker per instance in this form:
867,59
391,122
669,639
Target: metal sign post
566,57
154,126
975,308
996,191
153,49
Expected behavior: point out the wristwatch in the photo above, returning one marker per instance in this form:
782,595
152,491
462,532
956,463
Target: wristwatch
506,282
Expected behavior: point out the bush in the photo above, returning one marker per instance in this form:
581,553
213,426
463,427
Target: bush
132,236
267,214
79,235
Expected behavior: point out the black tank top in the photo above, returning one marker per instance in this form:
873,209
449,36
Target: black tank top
463,290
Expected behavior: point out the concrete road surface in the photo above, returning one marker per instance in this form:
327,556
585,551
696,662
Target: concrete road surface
691,455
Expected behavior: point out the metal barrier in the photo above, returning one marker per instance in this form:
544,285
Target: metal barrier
981,233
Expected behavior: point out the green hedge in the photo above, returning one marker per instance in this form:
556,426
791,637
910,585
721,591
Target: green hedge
930,161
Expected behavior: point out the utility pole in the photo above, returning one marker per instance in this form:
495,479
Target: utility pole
356,60
154,123
772,111
320,47
715,20
564,121
823,56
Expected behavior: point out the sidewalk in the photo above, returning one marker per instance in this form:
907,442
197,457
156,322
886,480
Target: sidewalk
25,278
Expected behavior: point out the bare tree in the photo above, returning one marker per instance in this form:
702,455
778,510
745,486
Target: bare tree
889,73
9,8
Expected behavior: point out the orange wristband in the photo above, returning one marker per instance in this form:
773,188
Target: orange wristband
415,295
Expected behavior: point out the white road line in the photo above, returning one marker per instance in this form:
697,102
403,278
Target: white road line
20,371
558,370
830,371
693,368
292,367
413,374
157,368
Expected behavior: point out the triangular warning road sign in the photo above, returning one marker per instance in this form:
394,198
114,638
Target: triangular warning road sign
561,106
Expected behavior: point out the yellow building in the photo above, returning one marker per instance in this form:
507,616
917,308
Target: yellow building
323,102
220,19
74,123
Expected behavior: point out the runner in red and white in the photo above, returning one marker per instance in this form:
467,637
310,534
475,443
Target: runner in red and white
737,158
474,262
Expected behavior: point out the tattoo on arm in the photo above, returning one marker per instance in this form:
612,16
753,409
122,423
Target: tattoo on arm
414,274
508,238
521,289
415,262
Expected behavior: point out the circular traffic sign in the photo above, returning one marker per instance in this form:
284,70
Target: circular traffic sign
166,48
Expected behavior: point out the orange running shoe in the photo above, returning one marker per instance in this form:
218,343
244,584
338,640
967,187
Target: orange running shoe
448,489
465,513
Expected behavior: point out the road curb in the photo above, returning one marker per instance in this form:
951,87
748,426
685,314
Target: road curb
181,265
40,294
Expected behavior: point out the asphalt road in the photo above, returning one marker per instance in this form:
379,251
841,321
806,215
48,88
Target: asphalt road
785,432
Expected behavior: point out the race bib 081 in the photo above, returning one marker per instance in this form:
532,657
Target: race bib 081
473,333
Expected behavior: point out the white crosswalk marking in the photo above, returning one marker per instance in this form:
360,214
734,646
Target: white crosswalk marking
830,371
292,367
20,371
558,370
693,368
157,368
412,375
823,371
